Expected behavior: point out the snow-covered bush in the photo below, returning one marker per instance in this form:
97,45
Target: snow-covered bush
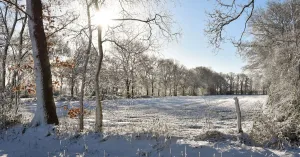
272,54
273,134
212,136
8,116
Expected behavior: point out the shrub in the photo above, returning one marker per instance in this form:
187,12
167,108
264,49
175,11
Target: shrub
274,134
8,116
212,136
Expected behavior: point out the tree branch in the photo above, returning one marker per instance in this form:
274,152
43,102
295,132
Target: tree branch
62,27
221,19
9,2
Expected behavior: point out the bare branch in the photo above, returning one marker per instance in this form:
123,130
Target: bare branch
220,19
62,27
9,2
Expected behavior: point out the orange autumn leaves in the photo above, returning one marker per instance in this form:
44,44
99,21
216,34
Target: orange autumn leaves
63,64
74,112
30,87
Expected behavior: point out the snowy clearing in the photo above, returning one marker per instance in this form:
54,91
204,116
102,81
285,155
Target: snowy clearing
142,127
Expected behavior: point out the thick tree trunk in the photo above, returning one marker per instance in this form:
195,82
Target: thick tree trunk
46,110
99,114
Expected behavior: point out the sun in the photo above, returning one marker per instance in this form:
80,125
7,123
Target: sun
103,17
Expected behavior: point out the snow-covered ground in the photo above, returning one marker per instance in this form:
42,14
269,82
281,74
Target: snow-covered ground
142,127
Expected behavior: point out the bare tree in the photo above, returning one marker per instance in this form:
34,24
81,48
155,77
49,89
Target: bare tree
177,71
9,31
19,57
165,73
145,72
87,56
157,21
184,81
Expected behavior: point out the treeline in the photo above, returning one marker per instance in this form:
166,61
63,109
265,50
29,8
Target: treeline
131,73
135,73
151,76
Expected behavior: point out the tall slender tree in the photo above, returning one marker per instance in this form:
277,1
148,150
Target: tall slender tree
99,114
86,60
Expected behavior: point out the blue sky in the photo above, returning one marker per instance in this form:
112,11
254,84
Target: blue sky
192,49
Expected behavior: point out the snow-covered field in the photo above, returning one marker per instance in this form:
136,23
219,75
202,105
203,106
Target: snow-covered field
142,127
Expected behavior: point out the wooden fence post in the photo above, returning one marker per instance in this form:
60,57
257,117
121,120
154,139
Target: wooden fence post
238,113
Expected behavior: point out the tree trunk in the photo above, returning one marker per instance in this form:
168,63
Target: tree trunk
46,110
152,84
132,90
13,83
194,91
99,114
230,87
127,88
147,91
246,86
19,59
4,66
72,84
61,86
87,56
165,91
175,90
76,90
241,87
